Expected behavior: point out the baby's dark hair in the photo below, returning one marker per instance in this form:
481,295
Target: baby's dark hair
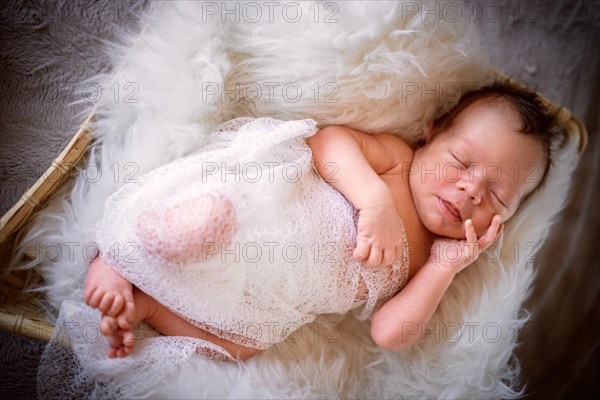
537,119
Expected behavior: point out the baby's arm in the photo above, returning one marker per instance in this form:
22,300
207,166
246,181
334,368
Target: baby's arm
351,161
400,322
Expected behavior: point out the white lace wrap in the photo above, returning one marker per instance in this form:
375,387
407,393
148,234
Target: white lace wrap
288,258
285,258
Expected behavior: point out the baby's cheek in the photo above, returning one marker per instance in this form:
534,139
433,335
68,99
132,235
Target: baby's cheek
481,226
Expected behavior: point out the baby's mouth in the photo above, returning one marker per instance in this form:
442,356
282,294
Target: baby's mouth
453,210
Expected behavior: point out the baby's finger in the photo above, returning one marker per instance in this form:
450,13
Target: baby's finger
499,231
490,234
495,237
362,250
388,256
374,257
472,243
399,251
470,231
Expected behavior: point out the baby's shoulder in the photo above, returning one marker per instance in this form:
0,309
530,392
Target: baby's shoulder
398,145
401,151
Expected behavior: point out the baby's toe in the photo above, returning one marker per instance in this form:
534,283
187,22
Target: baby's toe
88,293
115,341
128,341
108,325
106,302
121,353
96,298
123,346
116,306
124,323
126,316
112,352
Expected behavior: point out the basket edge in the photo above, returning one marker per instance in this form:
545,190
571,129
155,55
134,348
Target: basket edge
20,325
48,183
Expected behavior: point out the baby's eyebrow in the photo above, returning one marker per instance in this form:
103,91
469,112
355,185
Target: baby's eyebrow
469,145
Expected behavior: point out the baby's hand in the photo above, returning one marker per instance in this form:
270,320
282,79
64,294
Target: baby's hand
457,254
379,235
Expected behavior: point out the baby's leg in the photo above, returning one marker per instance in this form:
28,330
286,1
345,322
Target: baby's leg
165,322
188,231
109,292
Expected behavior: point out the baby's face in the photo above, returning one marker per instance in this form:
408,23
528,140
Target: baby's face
479,167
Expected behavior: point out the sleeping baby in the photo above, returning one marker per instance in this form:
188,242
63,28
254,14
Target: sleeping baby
272,223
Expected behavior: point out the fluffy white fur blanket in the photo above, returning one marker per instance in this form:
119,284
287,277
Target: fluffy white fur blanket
375,66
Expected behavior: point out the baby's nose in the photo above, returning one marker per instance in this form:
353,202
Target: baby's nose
475,193
473,186
476,197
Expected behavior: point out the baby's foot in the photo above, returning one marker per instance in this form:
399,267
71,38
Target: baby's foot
109,292
189,231
122,339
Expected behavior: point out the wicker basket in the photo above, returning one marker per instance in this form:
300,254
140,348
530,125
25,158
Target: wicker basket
19,310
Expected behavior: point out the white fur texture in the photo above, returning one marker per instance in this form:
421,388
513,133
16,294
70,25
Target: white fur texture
371,55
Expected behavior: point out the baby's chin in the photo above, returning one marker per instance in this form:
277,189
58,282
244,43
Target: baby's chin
449,234
445,231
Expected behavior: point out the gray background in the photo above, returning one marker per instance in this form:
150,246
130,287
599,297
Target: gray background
47,48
